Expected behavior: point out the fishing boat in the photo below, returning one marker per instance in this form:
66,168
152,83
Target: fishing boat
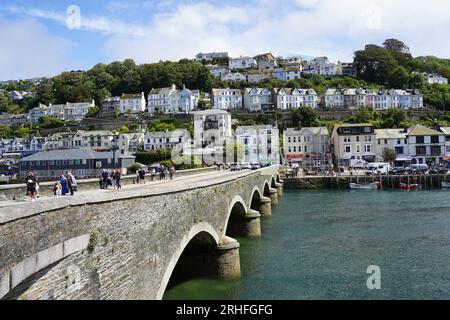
445,184
409,187
372,186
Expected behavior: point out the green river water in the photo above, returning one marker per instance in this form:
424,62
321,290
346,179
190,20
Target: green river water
319,244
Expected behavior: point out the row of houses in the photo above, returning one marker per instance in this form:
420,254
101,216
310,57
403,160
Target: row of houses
352,99
353,145
75,112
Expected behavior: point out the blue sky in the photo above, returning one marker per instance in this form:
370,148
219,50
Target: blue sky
36,39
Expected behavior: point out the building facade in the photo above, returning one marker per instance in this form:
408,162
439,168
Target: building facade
260,144
172,100
132,103
210,56
243,63
165,139
258,99
288,98
83,163
353,144
426,146
308,147
227,99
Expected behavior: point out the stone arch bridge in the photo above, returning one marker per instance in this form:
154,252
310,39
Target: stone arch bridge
127,244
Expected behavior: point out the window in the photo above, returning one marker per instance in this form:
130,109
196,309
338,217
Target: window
435,151
348,149
399,150
420,140
367,148
421,151
357,138
358,148
435,139
57,162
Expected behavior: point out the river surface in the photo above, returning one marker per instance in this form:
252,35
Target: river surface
319,244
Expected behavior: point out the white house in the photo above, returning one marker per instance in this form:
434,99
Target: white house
354,144
242,63
172,100
426,146
210,56
321,66
288,98
260,143
235,77
266,61
130,142
211,127
393,139
227,99
165,139
435,78
258,99
308,147
77,111
132,103
218,71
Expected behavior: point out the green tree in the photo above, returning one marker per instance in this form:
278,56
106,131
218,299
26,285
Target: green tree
5,132
305,117
399,78
5,101
389,155
93,112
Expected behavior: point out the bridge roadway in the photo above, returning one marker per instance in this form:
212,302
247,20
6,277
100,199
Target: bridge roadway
127,244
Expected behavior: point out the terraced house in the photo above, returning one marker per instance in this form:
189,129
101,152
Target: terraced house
288,98
227,99
258,99
426,146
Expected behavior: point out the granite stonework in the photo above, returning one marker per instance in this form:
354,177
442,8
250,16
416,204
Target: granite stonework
125,245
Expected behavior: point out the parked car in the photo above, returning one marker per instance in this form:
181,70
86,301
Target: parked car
246,166
255,166
235,167
419,168
397,171
156,167
377,168
438,170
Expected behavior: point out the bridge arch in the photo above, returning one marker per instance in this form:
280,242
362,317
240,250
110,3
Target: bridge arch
201,232
266,189
255,199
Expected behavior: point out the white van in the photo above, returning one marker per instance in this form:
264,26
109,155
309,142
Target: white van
377,168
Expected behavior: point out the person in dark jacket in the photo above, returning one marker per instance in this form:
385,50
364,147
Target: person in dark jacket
105,177
31,186
64,184
118,177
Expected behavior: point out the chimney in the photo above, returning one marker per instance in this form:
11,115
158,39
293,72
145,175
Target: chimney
174,87
405,129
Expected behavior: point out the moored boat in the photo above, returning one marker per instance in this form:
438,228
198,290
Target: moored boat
372,186
445,184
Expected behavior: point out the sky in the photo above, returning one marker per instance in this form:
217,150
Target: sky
44,38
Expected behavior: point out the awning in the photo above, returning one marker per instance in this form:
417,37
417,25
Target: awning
403,158
295,156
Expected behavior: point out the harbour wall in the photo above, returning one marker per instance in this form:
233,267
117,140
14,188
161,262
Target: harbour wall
343,182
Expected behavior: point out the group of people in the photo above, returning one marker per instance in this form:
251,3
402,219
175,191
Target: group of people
166,173
113,179
65,185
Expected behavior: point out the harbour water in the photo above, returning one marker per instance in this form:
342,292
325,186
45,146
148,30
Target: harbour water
319,244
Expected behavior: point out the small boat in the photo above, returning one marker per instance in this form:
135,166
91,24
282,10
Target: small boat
409,187
372,186
445,184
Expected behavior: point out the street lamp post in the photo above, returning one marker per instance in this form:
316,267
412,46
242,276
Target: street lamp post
114,149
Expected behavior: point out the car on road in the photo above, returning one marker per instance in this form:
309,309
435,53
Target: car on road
235,167
246,166
255,165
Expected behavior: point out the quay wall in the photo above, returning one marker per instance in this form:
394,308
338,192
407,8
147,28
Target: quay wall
343,182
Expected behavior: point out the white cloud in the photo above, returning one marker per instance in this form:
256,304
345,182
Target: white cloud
28,50
311,27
